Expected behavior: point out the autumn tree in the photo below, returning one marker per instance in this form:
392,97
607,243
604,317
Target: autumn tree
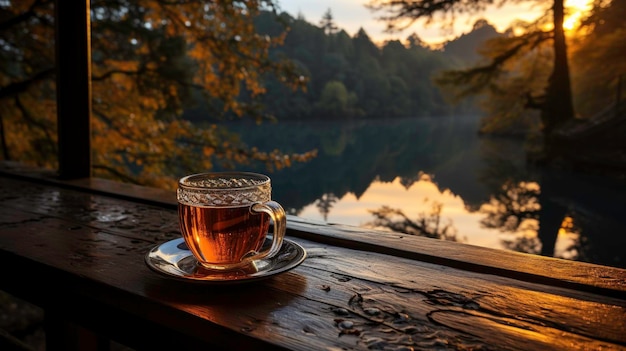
600,39
553,99
151,60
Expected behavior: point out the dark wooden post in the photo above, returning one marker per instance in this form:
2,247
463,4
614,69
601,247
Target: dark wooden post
618,97
73,78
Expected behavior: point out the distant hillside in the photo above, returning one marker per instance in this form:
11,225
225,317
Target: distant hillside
466,46
353,78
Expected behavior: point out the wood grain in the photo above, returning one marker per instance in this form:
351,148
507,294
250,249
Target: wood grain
583,276
598,279
353,295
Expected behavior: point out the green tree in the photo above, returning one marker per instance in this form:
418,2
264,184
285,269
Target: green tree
554,101
150,59
393,80
328,23
336,101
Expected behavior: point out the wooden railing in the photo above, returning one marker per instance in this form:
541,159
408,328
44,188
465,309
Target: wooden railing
73,87
358,288
76,248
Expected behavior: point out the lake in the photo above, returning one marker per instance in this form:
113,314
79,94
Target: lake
437,177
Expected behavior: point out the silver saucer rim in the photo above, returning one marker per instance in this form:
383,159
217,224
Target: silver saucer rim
171,260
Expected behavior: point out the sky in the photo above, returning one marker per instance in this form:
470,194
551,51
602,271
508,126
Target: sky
351,15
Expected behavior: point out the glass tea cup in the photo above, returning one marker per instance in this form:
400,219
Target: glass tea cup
224,218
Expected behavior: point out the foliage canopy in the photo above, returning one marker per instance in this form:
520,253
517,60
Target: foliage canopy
150,59
552,96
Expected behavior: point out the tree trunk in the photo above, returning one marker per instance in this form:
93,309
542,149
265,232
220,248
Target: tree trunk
3,141
558,107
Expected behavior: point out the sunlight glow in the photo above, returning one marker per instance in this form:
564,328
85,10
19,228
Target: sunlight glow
351,16
575,11
419,198
416,199
567,240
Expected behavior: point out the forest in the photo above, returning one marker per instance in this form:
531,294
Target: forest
165,75
354,78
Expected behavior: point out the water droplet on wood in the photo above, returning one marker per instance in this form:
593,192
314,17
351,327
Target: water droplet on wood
402,318
372,311
346,325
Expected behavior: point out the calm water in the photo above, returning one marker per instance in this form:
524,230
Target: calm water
438,178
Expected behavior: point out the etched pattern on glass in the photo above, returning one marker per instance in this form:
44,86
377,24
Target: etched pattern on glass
208,190
222,182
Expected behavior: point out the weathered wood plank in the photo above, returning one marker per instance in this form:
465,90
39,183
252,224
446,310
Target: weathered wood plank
73,87
605,280
355,295
594,278
498,298
339,297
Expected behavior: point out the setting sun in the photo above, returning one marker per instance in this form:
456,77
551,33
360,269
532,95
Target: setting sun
576,9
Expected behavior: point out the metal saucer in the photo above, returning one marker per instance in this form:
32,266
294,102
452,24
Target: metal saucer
174,260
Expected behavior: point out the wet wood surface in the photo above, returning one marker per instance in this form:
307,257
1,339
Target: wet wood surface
80,255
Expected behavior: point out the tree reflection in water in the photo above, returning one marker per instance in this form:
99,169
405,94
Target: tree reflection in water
325,203
514,209
425,224
484,184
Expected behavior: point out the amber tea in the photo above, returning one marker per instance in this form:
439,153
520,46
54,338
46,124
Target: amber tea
224,218
223,235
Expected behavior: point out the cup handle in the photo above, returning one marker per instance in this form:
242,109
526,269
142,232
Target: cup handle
277,213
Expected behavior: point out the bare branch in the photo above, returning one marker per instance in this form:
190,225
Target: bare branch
23,16
21,86
476,79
